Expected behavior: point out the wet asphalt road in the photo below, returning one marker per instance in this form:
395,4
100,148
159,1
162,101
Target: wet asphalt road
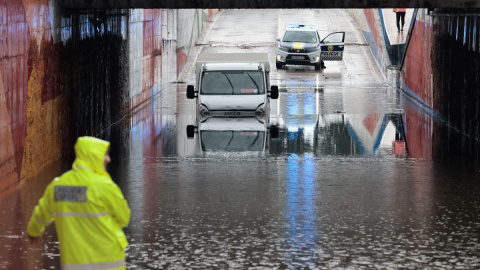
341,187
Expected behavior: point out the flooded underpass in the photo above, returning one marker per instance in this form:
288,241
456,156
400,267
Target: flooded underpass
324,194
349,174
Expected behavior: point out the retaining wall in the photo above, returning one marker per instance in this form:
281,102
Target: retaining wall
69,73
439,70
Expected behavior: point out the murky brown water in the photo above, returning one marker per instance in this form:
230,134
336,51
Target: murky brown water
357,178
324,194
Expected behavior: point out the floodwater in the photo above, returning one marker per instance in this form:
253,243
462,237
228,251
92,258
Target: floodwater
358,177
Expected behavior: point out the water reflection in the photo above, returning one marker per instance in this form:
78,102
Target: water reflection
379,135
16,252
234,137
304,202
302,212
364,123
418,130
232,134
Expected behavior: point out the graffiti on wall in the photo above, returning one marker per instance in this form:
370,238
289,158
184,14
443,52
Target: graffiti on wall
14,75
70,73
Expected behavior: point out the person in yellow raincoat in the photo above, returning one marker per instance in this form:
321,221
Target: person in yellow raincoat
88,209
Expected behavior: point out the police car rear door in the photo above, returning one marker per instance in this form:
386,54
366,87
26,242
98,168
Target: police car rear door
332,47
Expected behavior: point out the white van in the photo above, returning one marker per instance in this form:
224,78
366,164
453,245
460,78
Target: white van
232,85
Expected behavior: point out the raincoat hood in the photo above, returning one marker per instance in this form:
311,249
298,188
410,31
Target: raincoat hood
90,152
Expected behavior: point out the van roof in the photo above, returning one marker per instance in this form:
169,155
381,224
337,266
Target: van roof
233,58
224,58
232,66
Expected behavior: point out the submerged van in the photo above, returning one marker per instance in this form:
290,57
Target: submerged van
232,85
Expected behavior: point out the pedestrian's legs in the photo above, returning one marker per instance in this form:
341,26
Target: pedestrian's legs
402,17
398,20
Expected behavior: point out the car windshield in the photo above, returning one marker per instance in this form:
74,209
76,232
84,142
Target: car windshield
234,82
300,36
226,140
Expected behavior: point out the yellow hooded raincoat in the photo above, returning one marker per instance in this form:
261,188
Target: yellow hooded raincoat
89,211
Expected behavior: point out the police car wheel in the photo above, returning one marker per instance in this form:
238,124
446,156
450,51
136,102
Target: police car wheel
317,66
279,65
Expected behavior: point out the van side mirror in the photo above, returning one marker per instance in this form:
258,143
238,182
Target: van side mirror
191,94
273,132
190,131
274,92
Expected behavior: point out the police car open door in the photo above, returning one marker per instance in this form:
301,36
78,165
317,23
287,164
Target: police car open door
332,47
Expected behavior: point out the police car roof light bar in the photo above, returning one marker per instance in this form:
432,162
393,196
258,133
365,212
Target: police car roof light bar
301,26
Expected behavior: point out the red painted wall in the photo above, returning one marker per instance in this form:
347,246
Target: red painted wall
14,74
370,16
41,80
417,68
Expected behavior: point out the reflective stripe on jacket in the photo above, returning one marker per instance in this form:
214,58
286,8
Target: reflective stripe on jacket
88,209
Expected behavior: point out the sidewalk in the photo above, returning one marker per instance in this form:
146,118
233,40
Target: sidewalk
390,20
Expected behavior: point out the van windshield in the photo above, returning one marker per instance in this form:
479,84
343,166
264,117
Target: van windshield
235,141
233,82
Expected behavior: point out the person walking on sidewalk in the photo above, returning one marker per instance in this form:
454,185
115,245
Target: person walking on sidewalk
400,12
88,209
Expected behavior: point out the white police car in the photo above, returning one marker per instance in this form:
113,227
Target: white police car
301,45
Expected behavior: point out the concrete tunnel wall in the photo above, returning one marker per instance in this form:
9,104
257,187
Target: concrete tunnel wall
68,73
440,71
58,67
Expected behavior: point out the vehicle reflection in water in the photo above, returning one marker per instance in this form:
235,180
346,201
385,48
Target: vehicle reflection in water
246,136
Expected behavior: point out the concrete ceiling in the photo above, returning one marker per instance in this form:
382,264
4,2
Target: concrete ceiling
224,4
